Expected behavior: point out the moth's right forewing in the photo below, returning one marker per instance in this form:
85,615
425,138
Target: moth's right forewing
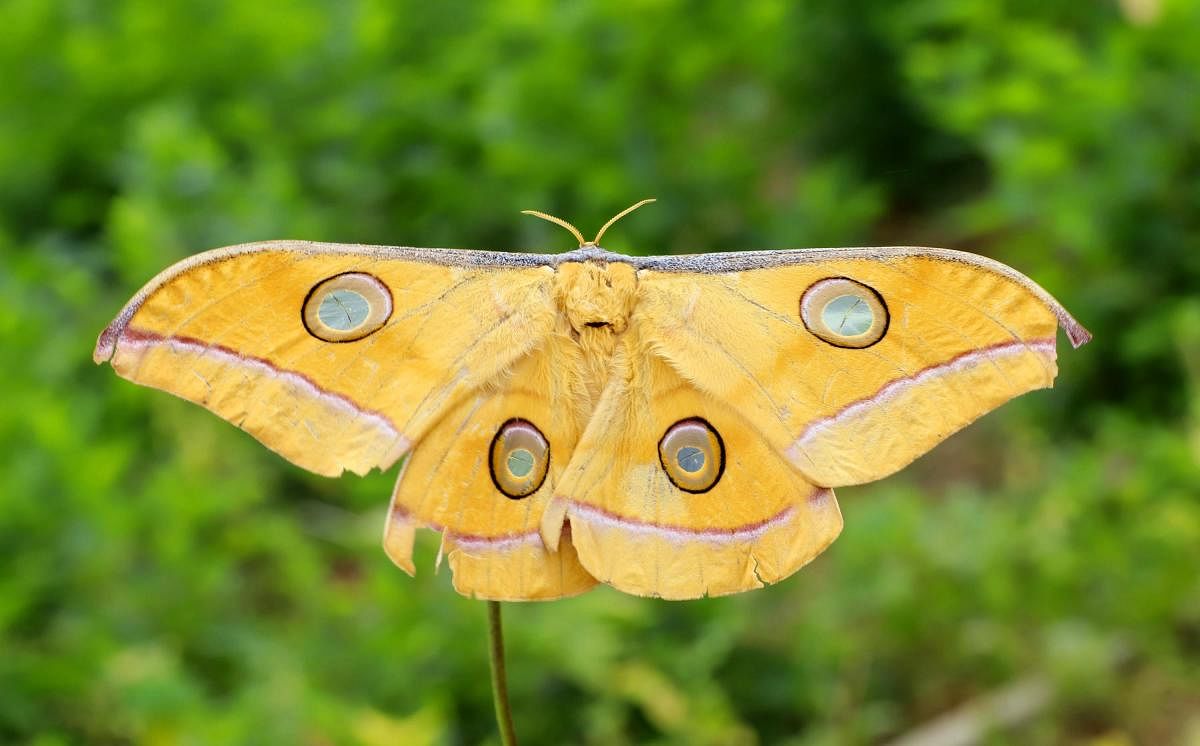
945,338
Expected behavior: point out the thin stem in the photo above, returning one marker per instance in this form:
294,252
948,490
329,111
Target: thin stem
508,735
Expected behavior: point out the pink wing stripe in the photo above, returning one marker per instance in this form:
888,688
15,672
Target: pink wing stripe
681,534
957,364
136,338
503,542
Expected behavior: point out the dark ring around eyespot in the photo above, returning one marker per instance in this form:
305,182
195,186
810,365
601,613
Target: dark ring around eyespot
361,283
690,423
518,434
829,338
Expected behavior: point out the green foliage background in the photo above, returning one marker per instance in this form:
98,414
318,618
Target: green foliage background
165,580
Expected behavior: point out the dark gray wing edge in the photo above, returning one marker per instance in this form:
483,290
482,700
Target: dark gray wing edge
742,261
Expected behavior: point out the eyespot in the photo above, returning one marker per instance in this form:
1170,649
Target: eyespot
692,454
844,313
519,459
346,307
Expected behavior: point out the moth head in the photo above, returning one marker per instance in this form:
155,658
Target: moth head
346,307
844,312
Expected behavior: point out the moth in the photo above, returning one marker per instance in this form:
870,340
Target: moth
673,426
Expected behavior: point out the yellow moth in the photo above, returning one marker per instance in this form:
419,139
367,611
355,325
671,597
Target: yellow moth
672,426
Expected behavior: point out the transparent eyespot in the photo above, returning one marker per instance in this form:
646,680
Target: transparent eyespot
692,454
343,310
844,313
520,462
346,307
519,459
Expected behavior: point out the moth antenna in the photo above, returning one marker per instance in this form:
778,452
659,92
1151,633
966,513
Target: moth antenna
618,216
557,221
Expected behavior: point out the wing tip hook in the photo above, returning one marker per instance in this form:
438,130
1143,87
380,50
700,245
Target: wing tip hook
106,343
1076,332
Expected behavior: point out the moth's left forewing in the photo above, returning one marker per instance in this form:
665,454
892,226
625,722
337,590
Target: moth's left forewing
232,330
960,335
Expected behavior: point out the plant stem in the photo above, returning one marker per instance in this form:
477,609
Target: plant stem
508,735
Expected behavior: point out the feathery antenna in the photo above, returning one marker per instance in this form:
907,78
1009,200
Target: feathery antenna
575,231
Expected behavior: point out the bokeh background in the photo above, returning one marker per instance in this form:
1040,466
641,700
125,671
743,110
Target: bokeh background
166,580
